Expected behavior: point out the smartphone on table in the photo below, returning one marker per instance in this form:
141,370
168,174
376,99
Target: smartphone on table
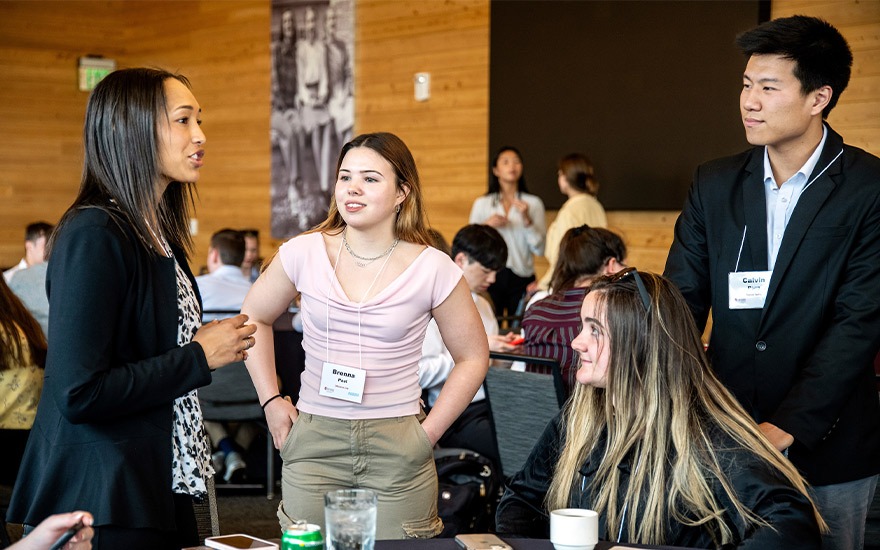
483,541
236,542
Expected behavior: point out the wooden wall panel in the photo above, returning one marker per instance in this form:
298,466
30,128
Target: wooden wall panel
224,48
857,116
448,134
41,109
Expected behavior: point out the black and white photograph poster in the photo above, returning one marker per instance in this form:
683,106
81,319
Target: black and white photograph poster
312,107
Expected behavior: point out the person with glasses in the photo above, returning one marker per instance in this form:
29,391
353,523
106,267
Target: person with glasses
653,442
782,243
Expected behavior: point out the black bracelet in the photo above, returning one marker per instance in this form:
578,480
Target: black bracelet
273,398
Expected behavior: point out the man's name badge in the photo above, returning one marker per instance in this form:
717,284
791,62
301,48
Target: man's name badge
748,289
341,382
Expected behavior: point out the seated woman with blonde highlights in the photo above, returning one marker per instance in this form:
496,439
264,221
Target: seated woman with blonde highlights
653,442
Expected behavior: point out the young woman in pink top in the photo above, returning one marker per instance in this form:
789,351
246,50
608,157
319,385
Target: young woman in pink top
368,284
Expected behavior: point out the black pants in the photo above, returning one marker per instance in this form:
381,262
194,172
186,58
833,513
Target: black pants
473,430
507,291
12,442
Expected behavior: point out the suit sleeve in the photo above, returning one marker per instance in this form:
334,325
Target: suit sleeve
91,274
688,262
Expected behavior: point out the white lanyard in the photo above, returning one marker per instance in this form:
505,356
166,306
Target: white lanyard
359,304
625,504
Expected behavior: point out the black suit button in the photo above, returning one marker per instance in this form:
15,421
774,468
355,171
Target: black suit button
761,345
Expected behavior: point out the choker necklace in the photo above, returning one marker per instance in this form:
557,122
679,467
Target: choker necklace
364,262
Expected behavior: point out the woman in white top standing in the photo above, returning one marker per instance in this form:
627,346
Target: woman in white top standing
519,217
577,181
368,286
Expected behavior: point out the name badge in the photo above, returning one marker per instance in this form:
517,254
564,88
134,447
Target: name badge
748,289
341,382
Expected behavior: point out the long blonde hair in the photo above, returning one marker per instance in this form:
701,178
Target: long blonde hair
411,224
665,408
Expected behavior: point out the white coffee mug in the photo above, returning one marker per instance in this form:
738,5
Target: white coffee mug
574,529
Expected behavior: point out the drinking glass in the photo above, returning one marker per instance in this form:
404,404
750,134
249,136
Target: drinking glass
350,516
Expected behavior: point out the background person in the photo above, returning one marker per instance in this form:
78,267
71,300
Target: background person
369,283
35,237
250,266
223,288
118,428
578,182
22,359
551,324
653,442
29,284
480,252
801,212
519,218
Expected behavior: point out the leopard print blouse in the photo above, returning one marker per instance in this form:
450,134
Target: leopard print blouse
191,453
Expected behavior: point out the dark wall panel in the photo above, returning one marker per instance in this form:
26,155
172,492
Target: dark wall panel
647,89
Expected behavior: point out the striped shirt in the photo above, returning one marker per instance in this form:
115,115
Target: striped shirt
550,326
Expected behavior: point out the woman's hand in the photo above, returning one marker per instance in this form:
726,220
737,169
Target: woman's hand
280,416
523,208
503,342
50,529
496,221
226,341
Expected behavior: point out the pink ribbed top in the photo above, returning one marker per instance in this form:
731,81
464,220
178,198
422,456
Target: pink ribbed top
393,324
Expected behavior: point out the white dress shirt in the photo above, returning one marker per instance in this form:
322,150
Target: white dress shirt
223,289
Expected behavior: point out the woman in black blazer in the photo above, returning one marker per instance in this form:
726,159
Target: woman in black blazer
118,430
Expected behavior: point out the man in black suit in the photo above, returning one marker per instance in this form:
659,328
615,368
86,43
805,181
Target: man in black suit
782,242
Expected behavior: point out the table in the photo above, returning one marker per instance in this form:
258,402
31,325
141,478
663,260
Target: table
450,544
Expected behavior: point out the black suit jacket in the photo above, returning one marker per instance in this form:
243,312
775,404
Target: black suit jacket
805,361
101,440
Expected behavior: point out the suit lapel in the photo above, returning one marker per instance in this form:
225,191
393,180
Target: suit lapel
755,208
808,205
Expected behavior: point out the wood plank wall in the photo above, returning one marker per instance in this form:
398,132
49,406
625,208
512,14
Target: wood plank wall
224,48
857,116
448,134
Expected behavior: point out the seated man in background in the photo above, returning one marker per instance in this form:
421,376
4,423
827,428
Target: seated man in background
29,283
223,288
480,251
35,237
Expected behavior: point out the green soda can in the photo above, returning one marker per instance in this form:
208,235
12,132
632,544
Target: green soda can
302,535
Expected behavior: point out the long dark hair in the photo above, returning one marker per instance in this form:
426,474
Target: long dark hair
15,319
121,162
583,251
494,185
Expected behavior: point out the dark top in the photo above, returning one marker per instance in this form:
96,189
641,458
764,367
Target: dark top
805,361
760,488
101,440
